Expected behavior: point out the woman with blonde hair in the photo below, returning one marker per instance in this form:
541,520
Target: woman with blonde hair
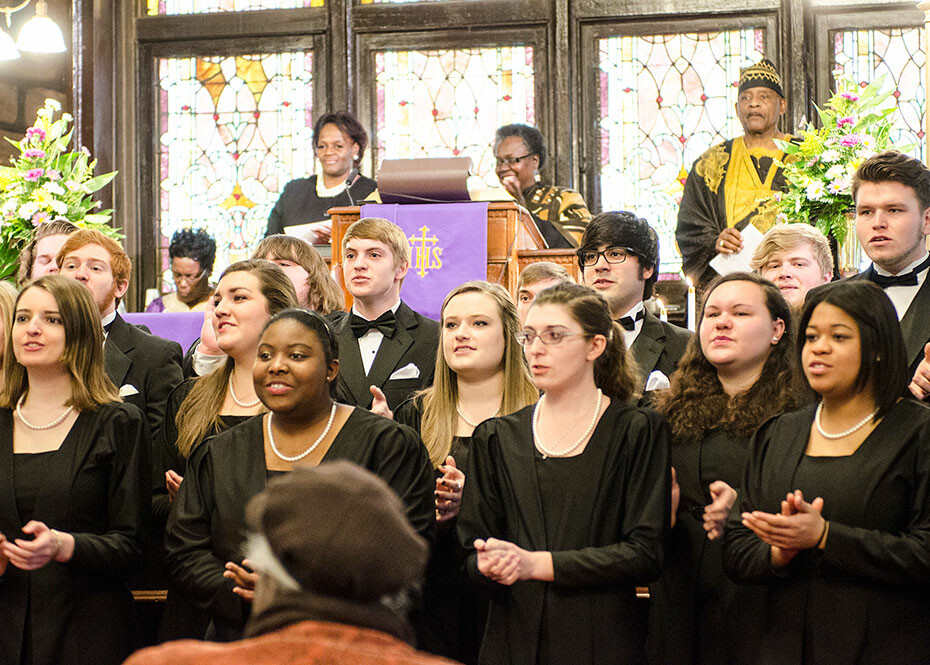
480,374
247,295
75,494
315,288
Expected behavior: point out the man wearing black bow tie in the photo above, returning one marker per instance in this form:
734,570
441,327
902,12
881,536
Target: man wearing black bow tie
892,195
386,350
619,258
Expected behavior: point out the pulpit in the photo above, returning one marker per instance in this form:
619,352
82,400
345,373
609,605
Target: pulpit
514,242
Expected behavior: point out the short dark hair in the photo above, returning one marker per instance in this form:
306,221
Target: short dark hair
894,166
349,125
881,343
621,228
531,136
194,244
319,326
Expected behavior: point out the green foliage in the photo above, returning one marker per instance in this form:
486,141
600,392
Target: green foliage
854,125
45,183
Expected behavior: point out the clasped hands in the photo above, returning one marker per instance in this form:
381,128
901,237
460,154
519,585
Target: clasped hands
505,563
799,526
47,545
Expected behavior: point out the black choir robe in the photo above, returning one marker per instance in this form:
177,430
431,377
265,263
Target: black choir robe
97,489
867,593
590,610
696,614
206,526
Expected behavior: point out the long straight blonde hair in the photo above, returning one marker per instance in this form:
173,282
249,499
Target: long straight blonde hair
200,410
437,426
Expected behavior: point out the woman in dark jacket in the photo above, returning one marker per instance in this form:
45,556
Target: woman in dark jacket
339,142
74,493
294,376
835,510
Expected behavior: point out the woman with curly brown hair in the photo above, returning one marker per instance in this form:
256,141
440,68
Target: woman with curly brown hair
738,371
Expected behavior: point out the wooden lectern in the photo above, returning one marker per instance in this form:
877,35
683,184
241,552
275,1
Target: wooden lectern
514,242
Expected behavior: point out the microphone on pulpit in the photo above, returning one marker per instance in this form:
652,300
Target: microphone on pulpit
352,174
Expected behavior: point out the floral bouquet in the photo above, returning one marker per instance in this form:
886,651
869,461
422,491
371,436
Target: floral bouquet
45,183
855,125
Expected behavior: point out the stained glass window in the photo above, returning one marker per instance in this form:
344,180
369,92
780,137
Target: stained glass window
898,55
664,100
449,102
161,7
232,132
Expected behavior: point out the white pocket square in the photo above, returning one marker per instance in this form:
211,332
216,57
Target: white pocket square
657,381
127,390
410,371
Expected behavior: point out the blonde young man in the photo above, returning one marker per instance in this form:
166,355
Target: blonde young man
796,258
384,346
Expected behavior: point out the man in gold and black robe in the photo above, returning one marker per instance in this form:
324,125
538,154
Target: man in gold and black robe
727,184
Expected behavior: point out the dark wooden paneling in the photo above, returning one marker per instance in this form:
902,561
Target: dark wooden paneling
232,24
466,15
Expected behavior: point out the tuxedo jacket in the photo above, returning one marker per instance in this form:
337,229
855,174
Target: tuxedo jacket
414,343
144,368
658,347
915,324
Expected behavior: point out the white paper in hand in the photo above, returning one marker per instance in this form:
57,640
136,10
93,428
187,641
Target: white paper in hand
724,264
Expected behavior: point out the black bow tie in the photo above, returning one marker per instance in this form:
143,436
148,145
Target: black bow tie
629,322
386,323
107,327
907,279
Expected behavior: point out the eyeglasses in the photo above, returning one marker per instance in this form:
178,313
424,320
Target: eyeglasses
548,337
178,277
589,257
512,161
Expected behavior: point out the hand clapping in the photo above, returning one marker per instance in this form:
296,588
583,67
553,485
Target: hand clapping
799,526
243,578
715,513
449,491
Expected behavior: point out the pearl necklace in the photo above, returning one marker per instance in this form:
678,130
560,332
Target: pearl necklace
840,435
573,447
232,393
458,410
297,458
55,423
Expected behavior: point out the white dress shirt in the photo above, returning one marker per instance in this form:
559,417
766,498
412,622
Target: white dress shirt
370,342
902,296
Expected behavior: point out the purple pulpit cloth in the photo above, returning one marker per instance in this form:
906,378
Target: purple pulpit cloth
181,327
448,246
